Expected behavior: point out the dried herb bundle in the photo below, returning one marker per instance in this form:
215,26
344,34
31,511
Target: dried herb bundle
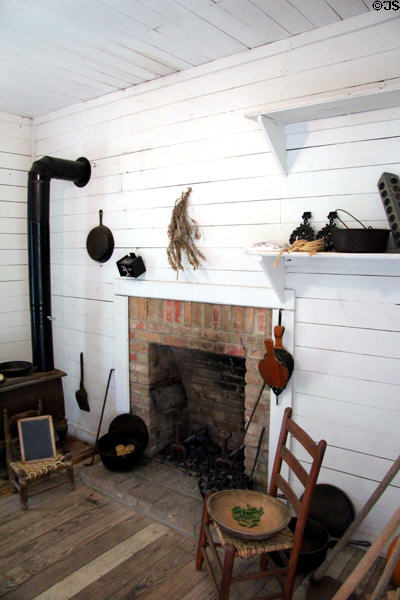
182,233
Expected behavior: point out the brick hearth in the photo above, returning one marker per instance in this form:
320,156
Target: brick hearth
212,328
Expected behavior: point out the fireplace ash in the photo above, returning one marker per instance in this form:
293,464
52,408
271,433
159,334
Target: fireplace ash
202,461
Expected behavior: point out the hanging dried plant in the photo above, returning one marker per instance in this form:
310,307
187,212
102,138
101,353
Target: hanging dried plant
182,233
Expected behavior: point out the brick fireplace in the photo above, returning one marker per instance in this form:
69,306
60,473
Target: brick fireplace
207,355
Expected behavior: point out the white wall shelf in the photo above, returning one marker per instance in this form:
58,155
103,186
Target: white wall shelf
273,120
326,261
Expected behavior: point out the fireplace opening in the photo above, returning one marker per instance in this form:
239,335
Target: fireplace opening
200,390
199,398
194,372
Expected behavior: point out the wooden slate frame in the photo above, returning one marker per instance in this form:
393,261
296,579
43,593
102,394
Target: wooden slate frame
36,436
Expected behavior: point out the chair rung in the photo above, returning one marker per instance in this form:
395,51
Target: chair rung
274,596
260,574
301,436
210,571
288,492
212,545
295,465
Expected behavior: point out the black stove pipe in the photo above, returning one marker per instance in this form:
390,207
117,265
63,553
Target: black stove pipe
42,171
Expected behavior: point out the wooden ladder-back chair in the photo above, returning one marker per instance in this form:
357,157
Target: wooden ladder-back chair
20,473
233,547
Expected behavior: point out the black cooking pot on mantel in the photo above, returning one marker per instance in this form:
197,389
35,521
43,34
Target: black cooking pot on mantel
366,240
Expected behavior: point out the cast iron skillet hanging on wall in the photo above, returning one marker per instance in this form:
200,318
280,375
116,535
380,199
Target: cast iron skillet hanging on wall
100,242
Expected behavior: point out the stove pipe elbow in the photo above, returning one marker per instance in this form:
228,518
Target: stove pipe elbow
39,177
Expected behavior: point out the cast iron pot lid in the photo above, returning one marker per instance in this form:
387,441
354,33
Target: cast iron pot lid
133,423
15,368
332,507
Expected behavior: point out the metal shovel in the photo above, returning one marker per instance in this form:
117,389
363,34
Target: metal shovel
81,394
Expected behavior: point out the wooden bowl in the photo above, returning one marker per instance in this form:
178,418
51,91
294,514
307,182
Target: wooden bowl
276,514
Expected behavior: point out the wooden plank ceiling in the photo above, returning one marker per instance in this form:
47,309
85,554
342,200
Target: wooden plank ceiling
55,53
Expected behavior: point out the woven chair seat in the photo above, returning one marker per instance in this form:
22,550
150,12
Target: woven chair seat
39,468
282,540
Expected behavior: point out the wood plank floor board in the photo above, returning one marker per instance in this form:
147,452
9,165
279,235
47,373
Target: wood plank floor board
15,535
42,495
54,543
83,545
90,572
10,505
50,567
142,572
49,563
349,568
187,543
175,584
201,591
342,561
374,577
238,590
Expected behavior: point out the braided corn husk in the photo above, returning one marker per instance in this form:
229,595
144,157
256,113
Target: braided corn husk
302,246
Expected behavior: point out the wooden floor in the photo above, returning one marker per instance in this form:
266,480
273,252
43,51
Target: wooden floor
82,545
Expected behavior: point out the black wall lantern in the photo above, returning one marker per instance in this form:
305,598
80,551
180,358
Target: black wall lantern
131,265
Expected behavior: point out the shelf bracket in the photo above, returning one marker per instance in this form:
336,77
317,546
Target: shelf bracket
274,132
275,275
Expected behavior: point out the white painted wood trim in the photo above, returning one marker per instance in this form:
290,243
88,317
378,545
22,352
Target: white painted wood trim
274,132
347,257
275,274
319,106
272,120
285,399
195,292
121,341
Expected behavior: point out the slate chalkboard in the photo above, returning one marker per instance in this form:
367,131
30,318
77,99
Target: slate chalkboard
36,436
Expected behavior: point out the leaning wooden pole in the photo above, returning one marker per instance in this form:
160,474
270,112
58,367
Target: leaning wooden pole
384,579
372,500
369,558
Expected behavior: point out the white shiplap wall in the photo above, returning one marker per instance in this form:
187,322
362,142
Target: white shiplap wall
148,143
15,161
347,378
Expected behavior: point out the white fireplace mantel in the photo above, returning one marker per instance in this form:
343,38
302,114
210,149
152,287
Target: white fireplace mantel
125,287
198,292
329,262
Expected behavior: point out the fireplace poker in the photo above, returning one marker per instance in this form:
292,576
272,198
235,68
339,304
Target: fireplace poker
260,439
234,454
89,464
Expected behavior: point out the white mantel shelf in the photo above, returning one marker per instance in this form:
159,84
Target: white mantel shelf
323,261
273,119
241,295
